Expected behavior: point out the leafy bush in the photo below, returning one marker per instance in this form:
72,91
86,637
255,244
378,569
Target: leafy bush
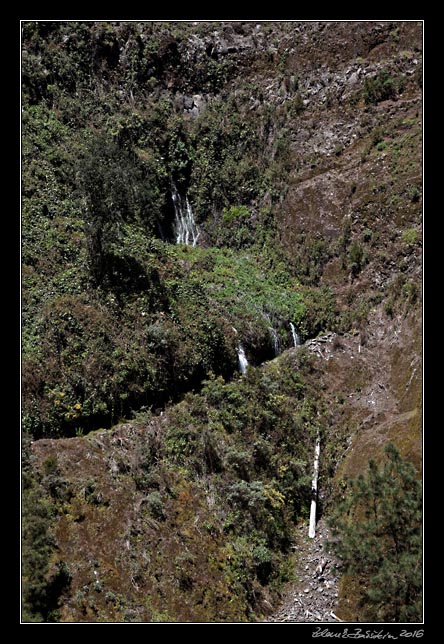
312,255
389,307
410,293
155,505
414,194
381,87
409,236
320,312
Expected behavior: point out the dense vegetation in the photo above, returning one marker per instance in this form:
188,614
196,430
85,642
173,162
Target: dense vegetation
120,322
104,291
224,478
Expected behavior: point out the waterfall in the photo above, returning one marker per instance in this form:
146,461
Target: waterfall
187,231
242,358
276,343
296,340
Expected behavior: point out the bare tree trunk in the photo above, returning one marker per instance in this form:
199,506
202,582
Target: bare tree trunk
314,489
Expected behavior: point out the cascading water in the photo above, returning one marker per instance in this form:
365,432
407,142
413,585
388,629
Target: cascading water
242,359
276,342
296,340
187,231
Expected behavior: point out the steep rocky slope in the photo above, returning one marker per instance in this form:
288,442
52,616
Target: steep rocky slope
298,148
315,596
377,391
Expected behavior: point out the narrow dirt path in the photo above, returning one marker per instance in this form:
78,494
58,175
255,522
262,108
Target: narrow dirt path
313,597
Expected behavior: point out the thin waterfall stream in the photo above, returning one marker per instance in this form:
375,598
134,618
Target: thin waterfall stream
186,229
242,359
276,342
296,340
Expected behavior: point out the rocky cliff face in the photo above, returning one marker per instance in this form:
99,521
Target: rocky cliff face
299,146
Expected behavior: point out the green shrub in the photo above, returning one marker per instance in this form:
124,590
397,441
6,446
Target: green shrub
389,307
381,88
235,213
414,194
155,505
410,292
236,229
319,314
356,257
410,236
239,461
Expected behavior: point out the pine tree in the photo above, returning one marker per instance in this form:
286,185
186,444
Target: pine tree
377,535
